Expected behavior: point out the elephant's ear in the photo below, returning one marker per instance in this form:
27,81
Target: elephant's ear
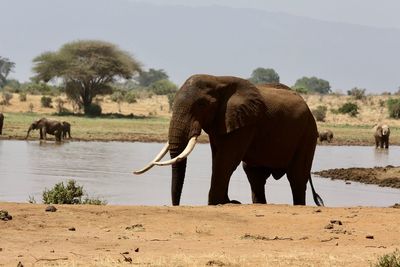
244,106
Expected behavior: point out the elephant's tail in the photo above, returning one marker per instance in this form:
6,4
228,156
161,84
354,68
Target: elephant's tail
317,199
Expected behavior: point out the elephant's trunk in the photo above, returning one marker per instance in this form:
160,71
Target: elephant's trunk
29,130
181,129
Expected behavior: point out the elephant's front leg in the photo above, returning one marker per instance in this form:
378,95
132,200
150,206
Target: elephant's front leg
257,177
227,152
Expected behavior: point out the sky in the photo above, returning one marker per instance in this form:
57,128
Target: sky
383,13
347,42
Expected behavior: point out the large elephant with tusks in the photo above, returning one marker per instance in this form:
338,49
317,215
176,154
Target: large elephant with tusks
270,130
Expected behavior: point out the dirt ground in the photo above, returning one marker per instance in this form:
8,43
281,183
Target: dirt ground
388,176
229,235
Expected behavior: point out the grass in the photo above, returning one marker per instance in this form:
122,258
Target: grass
389,260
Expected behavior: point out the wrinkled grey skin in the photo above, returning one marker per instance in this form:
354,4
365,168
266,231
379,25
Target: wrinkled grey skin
269,130
66,129
46,126
325,135
1,123
381,135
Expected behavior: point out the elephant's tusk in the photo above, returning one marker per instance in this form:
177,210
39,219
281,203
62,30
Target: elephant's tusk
160,155
192,142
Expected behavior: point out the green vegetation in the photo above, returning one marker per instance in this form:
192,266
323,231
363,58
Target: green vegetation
163,87
389,260
71,193
93,110
22,97
46,101
146,78
313,85
261,75
394,108
320,113
6,66
349,108
6,96
87,69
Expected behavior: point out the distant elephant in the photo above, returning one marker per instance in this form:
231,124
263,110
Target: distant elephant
66,129
1,123
271,131
381,134
46,126
325,135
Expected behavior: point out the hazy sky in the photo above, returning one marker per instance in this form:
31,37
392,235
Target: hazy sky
383,13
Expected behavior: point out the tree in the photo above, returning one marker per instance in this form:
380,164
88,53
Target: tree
87,68
163,87
146,78
313,85
357,93
261,75
6,66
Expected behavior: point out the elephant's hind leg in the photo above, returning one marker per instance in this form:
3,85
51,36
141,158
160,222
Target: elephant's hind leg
257,177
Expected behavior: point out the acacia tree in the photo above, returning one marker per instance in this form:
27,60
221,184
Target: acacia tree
261,75
6,66
313,85
87,68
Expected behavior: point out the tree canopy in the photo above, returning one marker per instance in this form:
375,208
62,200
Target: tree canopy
146,78
313,85
87,68
261,75
6,66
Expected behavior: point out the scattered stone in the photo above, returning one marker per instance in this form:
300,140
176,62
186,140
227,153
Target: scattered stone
71,229
338,222
369,237
5,216
330,239
136,228
259,215
318,210
20,264
51,209
127,259
126,252
215,263
1,249
259,237
347,182
329,226
136,249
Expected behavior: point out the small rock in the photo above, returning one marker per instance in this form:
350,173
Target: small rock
318,210
51,209
369,237
20,264
126,252
5,216
329,226
347,182
137,250
338,222
71,229
1,249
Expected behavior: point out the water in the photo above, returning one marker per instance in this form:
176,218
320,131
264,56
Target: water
105,171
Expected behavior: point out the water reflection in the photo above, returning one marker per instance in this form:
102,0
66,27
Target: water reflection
105,171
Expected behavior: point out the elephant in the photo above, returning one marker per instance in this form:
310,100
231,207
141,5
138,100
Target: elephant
1,123
46,126
271,131
325,135
66,129
381,134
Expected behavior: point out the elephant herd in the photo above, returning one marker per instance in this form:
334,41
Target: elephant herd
61,130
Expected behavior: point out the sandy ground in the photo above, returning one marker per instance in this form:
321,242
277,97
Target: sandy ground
229,235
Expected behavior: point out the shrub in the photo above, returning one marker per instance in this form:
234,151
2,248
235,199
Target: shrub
31,106
163,87
394,107
46,101
357,93
22,96
301,90
320,113
71,193
130,97
7,96
389,260
171,100
60,105
94,110
349,108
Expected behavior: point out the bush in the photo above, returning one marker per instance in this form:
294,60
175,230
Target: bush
349,108
130,97
171,100
357,93
394,108
163,87
301,90
69,194
320,113
22,97
389,260
94,110
46,102
7,96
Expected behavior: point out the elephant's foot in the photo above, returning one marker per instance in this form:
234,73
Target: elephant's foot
234,202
